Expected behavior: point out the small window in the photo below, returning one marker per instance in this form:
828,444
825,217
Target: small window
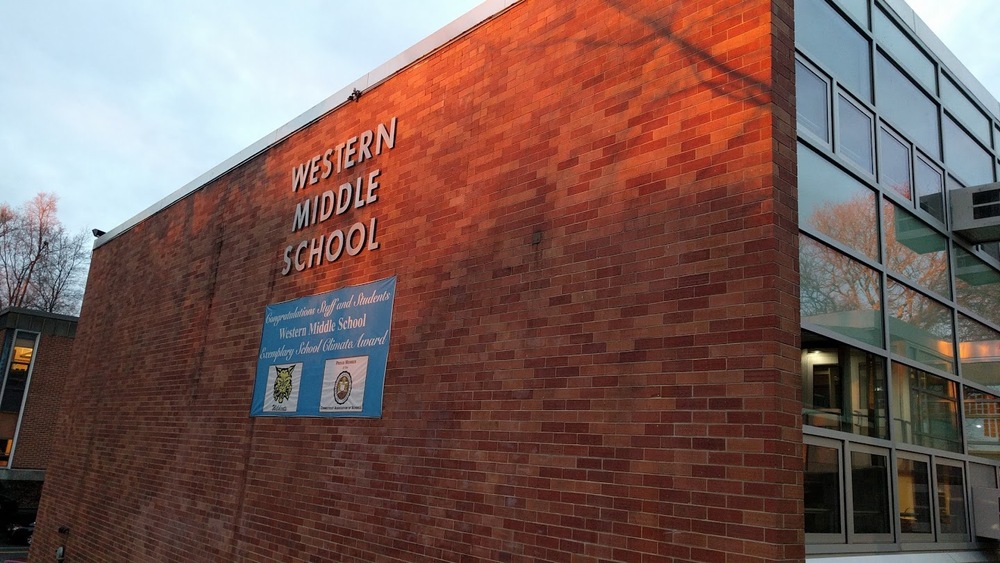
930,188
870,515
952,513
855,134
812,102
913,479
822,492
894,164
964,156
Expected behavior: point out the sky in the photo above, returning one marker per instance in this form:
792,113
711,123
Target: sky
114,104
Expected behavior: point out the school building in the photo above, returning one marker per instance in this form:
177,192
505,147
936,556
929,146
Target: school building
701,280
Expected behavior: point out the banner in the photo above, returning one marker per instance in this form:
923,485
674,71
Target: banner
325,355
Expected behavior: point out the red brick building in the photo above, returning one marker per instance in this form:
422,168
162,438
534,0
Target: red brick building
590,211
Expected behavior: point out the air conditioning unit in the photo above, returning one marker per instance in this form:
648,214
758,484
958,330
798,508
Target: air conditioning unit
975,212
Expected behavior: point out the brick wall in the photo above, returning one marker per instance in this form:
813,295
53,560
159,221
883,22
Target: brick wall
590,209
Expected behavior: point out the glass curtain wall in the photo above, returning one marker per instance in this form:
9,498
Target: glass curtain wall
900,317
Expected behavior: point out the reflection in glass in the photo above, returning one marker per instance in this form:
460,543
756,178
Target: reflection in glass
843,387
951,499
855,135
905,106
964,157
930,189
977,285
914,250
914,482
890,37
822,490
979,352
833,203
14,386
925,409
919,327
870,491
834,44
982,423
839,292
894,164
965,110
812,95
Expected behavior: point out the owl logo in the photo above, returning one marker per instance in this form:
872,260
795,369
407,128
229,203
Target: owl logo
283,383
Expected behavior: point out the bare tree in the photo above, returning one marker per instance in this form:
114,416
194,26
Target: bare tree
41,265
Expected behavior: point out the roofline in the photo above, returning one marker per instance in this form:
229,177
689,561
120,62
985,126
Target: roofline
460,26
37,313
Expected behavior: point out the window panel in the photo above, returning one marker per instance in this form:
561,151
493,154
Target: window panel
909,110
952,517
834,204
982,423
914,489
919,327
925,409
965,157
812,102
843,387
930,189
835,44
894,164
966,112
839,292
822,490
891,38
870,493
914,250
979,352
855,135
857,9
977,285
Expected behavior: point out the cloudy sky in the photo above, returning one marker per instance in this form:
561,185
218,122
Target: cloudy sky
114,104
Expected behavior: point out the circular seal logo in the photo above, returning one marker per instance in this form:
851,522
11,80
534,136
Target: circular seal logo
343,388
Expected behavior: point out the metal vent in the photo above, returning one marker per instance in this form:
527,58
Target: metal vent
975,213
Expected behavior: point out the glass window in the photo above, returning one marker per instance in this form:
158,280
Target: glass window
855,135
822,488
914,250
965,157
833,203
899,44
870,493
812,102
977,285
982,423
951,500
857,9
919,327
839,292
894,164
979,352
835,44
14,386
925,409
966,112
914,483
909,110
843,387
930,189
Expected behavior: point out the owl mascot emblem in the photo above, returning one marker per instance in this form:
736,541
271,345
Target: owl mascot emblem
283,383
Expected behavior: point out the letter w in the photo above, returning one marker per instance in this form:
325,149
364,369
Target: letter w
299,174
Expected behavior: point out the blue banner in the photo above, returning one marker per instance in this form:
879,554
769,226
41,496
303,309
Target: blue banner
325,355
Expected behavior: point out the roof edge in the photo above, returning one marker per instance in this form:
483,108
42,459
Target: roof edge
450,32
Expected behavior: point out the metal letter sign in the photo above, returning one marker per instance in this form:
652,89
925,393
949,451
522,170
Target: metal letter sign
325,355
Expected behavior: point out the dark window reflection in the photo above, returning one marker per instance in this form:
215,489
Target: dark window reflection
822,490
913,480
870,492
951,499
843,388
